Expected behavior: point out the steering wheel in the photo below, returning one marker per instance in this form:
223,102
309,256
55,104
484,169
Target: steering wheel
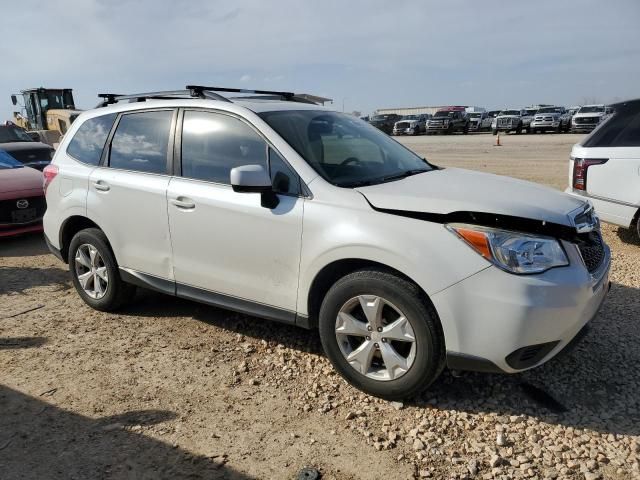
350,160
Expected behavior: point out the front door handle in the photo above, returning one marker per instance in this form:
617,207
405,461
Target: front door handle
184,203
102,186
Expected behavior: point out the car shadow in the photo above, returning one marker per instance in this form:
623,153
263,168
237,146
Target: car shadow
594,386
21,342
27,245
19,279
40,440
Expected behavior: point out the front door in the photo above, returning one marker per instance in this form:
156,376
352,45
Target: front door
227,247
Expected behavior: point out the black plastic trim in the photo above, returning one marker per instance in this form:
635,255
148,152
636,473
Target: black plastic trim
540,350
236,304
53,249
145,280
471,363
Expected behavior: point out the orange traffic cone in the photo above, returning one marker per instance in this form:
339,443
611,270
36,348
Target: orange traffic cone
497,140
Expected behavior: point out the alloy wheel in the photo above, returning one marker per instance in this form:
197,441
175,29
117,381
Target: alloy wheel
91,271
375,337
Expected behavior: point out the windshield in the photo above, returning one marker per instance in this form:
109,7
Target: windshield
410,117
592,109
475,115
531,111
550,110
380,117
7,161
13,134
510,112
344,150
445,113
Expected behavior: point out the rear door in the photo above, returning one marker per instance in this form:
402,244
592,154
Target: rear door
127,192
619,143
227,247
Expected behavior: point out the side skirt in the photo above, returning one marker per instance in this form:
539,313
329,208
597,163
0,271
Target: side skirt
215,299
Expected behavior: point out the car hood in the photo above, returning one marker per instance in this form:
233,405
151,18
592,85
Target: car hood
541,115
452,190
508,116
594,114
19,180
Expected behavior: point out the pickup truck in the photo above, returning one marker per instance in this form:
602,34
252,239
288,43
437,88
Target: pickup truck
511,121
385,122
411,125
448,120
588,117
556,119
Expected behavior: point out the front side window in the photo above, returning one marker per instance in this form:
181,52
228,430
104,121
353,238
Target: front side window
88,141
141,142
343,149
214,143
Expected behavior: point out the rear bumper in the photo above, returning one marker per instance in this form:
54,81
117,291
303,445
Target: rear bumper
10,230
608,210
495,321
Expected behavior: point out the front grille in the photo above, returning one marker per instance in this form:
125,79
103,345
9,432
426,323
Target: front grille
8,209
548,119
402,125
503,122
586,120
591,248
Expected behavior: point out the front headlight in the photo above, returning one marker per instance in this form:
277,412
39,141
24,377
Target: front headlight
514,252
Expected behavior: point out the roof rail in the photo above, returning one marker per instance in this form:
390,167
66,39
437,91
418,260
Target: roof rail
200,91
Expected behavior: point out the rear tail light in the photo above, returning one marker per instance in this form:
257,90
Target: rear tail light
580,167
50,172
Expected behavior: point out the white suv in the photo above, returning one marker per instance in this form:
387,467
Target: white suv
605,167
292,212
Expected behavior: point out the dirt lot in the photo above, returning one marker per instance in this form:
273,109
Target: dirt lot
173,389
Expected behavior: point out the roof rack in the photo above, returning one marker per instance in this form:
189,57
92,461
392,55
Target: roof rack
200,91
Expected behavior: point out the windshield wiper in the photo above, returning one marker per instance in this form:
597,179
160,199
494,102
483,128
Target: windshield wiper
386,178
398,176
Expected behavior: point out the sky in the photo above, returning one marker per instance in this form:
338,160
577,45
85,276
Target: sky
363,54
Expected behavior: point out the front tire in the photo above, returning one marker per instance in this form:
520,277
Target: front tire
381,335
94,271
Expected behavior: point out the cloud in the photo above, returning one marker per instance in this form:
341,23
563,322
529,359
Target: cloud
376,53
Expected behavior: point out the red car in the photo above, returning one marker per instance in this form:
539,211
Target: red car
22,203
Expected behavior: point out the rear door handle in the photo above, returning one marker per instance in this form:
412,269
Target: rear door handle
184,203
102,186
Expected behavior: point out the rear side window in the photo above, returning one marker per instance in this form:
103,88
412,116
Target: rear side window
141,141
88,142
214,143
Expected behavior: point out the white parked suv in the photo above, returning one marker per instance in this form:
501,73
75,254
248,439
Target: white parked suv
292,212
605,167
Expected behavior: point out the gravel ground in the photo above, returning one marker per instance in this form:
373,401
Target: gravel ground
173,389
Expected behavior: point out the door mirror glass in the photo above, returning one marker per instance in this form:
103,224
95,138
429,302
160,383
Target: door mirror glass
250,179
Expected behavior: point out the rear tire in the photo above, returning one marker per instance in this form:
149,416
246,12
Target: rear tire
425,354
94,272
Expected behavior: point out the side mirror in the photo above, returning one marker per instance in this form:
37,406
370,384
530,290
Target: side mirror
14,99
254,179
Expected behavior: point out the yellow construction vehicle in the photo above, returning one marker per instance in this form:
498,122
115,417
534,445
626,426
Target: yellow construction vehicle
46,113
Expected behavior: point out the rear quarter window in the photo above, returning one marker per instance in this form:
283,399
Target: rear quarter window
88,142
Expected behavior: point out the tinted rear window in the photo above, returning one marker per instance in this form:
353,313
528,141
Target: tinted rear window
621,130
88,142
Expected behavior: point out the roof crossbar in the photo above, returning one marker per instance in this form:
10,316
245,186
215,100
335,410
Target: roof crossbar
199,91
